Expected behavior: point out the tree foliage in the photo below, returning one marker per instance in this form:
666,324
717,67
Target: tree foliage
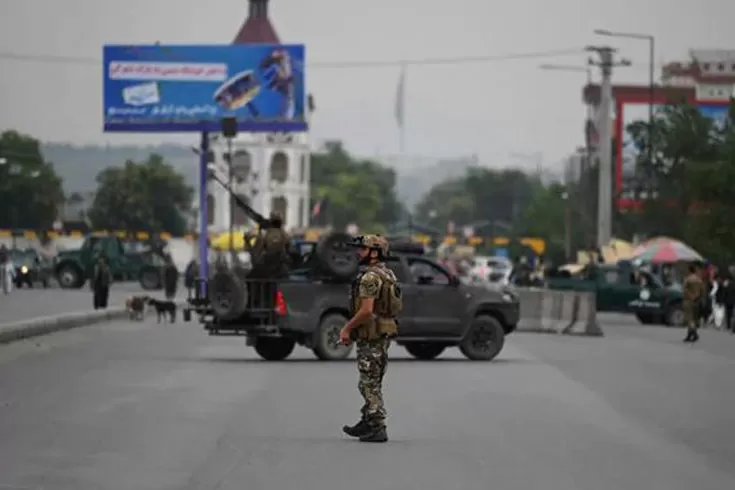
355,190
506,203
693,174
30,190
483,197
146,196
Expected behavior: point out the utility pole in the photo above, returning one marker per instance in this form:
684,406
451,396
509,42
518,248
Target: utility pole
605,168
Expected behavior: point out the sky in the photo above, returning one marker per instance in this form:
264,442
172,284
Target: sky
491,109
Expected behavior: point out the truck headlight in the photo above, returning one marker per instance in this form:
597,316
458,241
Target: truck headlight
24,270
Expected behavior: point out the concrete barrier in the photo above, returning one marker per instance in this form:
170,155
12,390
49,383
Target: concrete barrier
34,327
558,312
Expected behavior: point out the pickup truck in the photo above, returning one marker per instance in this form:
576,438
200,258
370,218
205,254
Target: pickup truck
74,267
620,289
439,312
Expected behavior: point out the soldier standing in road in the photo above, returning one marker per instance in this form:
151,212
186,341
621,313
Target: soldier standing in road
101,280
694,291
376,302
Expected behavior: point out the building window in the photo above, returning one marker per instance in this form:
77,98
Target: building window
301,213
705,66
280,205
241,165
210,209
721,67
303,168
279,167
239,218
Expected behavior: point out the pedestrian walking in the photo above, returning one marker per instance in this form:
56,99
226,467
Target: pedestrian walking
101,280
170,278
694,295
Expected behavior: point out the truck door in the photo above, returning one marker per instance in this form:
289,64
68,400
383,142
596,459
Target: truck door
608,298
438,304
406,325
114,253
620,290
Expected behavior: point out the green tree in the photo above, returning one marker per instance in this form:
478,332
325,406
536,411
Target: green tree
30,190
482,197
693,175
357,190
146,196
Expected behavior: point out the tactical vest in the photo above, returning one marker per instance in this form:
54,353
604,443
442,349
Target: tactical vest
388,305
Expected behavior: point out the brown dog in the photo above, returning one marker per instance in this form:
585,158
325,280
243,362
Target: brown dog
135,305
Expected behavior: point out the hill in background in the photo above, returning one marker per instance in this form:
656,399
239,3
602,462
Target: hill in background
78,166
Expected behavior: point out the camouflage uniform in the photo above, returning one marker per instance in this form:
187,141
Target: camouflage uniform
373,340
270,262
694,291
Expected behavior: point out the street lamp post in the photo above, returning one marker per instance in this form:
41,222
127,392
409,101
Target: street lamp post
651,82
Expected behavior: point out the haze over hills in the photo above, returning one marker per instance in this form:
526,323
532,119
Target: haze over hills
79,166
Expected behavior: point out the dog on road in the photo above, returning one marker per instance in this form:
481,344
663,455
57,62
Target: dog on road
135,306
164,308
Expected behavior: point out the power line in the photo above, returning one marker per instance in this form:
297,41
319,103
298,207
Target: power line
80,60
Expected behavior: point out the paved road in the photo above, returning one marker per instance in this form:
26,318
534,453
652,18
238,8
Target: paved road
146,406
24,304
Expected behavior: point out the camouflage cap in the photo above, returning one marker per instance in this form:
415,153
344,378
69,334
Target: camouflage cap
275,215
376,242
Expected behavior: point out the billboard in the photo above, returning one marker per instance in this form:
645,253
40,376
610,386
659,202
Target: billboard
158,88
626,181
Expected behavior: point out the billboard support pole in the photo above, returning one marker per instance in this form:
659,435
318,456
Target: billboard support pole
203,212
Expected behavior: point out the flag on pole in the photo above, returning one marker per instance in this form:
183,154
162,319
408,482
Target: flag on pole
400,96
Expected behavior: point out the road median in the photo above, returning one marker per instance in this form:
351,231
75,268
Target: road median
34,327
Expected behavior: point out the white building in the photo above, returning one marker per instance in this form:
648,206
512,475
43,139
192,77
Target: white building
271,172
711,73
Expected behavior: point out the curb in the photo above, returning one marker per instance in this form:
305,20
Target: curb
35,327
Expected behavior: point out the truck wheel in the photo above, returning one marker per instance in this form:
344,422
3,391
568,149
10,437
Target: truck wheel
274,349
336,257
327,345
484,340
228,295
424,350
675,316
69,277
150,279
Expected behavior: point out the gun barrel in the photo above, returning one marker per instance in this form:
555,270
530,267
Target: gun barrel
253,214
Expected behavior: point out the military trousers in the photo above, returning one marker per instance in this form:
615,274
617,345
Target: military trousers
692,314
372,361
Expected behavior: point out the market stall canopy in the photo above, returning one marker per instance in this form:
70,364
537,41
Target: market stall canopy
664,250
222,242
617,250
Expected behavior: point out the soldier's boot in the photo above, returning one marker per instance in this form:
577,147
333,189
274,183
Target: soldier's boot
376,434
358,430
695,335
375,431
689,337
